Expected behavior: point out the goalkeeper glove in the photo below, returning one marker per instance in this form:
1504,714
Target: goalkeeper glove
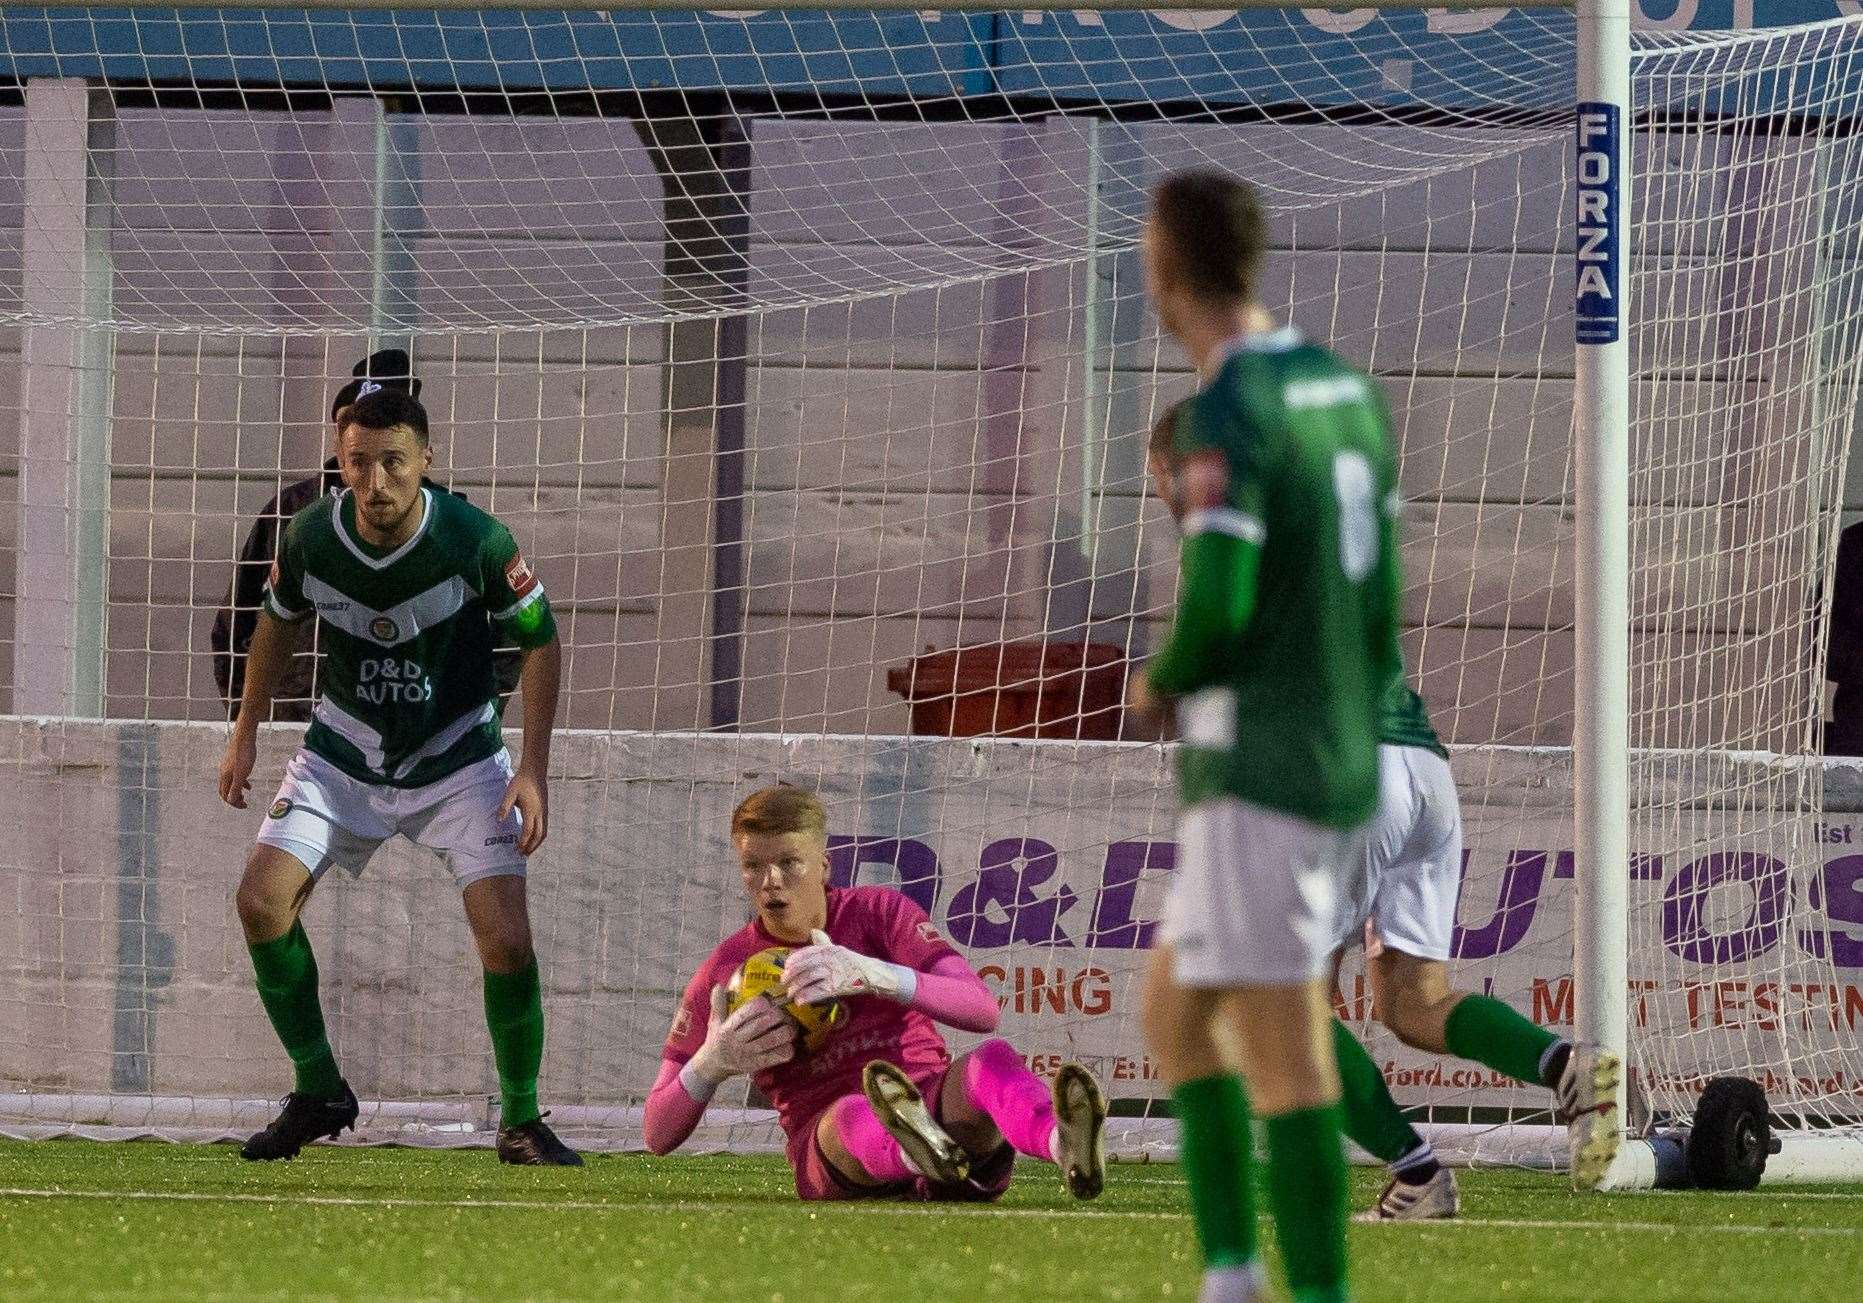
826,971
757,1036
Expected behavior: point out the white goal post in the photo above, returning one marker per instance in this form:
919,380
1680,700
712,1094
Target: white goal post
797,346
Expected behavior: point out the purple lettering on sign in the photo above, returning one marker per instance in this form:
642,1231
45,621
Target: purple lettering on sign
1513,911
1687,934
1126,862
916,863
1009,871
1838,896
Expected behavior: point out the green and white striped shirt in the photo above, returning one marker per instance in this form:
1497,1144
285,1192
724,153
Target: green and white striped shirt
408,692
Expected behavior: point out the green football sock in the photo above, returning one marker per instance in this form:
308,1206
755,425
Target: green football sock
514,1016
1490,1032
287,975
1307,1193
1371,1116
1216,1150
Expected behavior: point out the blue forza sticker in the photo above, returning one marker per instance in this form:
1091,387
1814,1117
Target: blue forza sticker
1600,216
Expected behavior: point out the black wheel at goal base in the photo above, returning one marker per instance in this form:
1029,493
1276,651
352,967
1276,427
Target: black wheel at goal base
1732,1135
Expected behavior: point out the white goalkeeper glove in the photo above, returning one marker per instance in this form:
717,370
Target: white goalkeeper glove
826,971
757,1036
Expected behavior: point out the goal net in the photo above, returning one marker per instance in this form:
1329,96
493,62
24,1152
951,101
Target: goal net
807,358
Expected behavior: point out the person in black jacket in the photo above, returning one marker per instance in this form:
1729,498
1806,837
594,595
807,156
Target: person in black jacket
388,368
1843,733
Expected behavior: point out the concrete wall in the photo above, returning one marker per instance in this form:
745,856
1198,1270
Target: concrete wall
919,468
122,973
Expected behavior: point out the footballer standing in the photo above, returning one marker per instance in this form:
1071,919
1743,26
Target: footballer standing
406,583
1283,482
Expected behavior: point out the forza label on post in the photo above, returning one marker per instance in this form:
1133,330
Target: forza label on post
1600,293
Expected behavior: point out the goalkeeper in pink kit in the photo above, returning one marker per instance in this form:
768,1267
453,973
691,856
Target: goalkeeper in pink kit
878,1109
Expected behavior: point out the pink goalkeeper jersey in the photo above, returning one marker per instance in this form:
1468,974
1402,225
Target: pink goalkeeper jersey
875,921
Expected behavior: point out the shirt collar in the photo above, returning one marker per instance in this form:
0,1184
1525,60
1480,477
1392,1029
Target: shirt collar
1278,340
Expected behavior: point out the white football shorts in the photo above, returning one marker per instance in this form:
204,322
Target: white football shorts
1411,855
322,816
1254,901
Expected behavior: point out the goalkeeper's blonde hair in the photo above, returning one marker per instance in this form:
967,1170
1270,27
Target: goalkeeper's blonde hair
774,811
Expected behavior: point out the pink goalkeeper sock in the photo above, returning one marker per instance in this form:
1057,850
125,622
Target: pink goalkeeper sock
867,1141
1015,1098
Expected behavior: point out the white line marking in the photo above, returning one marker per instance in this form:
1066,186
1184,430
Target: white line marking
630,1205
865,1208
1667,1228
1775,1193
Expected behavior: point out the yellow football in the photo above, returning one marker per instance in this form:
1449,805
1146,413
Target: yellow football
762,974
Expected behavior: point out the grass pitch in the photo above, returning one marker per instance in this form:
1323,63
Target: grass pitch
157,1222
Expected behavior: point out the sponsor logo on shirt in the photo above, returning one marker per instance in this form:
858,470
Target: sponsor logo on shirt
502,839
837,1054
384,628
281,807
383,680
519,576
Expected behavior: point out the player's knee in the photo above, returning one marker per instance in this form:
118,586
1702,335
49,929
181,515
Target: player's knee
844,1119
505,946
507,954
836,1136
263,910
1408,1013
1400,1016
994,1055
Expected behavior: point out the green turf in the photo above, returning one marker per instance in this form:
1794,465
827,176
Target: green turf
151,1222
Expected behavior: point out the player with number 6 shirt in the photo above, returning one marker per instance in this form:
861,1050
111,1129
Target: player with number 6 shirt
1281,476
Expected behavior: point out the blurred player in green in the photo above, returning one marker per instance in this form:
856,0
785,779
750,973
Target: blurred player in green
1283,482
1401,905
407,583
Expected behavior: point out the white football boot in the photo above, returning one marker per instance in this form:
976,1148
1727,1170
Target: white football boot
1434,1200
1586,1101
1080,1131
901,1110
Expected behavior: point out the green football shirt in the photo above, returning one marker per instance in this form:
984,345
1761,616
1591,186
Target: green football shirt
408,691
1282,707
1406,720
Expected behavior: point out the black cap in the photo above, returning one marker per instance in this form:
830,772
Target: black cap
387,368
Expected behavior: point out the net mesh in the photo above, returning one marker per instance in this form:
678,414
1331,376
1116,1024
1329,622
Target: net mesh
796,350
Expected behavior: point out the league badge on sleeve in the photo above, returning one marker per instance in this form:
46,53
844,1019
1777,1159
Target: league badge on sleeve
520,576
